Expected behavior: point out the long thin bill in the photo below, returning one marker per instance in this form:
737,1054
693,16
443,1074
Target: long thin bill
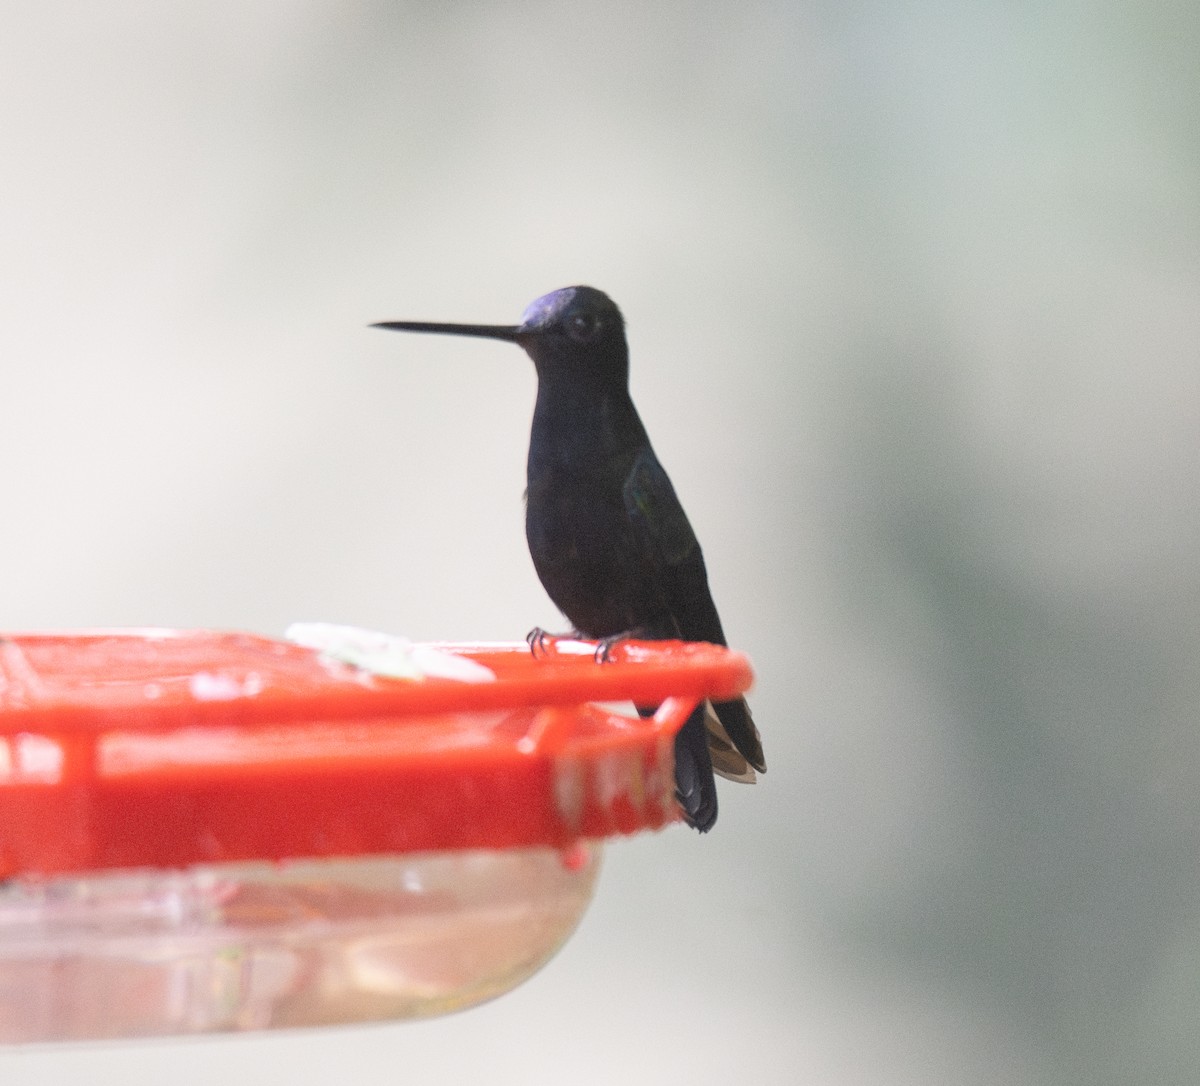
510,332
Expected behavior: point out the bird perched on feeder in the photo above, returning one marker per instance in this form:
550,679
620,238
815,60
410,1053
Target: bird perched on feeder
608,537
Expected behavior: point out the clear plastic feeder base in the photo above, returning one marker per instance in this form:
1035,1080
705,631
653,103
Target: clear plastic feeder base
261,946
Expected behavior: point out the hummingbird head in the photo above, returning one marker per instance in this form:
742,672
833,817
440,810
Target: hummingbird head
579,318
575,331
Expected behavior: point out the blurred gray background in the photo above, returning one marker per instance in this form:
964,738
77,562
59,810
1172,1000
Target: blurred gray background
912,293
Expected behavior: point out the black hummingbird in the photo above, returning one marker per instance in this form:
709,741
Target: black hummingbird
608,537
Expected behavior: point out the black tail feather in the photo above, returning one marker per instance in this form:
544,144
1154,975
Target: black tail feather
695,786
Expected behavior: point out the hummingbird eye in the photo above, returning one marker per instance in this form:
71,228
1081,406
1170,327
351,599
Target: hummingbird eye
583,327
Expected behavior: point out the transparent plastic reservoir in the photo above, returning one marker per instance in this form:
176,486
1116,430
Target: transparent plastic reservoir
261,946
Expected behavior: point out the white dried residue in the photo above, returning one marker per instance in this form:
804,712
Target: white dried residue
437,663
19,683
223,686
385,654
130,752
619,776
570,787
252,684
30,759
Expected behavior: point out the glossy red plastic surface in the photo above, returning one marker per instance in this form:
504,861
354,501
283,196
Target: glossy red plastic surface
162,748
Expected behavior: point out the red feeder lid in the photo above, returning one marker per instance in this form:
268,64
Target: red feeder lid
162,748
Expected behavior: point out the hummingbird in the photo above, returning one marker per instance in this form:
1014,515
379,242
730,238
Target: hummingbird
608,537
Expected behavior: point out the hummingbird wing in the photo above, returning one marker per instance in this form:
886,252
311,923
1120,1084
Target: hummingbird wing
671,548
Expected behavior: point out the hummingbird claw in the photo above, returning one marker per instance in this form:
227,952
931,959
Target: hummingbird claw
541,642
536,640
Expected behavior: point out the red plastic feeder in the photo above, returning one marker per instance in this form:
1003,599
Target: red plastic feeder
152,780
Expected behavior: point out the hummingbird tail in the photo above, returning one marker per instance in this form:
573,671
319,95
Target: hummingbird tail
739,728
695,787
727,760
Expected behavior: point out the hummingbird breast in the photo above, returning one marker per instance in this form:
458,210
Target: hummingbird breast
587,552
589,555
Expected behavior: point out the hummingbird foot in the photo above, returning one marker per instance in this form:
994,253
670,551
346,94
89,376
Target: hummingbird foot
605,646
539,640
